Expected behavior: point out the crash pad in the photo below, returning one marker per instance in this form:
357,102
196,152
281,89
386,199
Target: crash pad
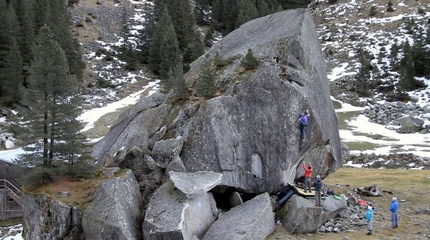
286,197
301,192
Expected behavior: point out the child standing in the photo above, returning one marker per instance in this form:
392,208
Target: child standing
369,219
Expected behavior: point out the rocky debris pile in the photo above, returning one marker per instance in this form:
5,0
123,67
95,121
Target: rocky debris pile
391,161
426,210
350,218
403,117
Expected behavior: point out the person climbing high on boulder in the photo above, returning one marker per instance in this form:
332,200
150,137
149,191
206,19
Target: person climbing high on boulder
308,175
303,123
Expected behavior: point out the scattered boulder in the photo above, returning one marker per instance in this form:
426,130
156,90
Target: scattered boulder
299,215
47,218
334,206
172,215
195,183
372,191
115,209
250,220
8,144
235,199
409,124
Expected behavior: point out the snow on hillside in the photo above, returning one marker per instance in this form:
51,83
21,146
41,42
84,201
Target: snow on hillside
344,28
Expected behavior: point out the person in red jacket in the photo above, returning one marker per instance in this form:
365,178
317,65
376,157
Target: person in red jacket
308,176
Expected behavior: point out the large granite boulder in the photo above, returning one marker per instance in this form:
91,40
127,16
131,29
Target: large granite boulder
250,220
115,211
299,215
247,133
409,124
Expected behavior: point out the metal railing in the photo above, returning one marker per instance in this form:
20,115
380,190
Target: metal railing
10,190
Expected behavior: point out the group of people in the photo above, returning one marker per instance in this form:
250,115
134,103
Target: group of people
394,208
317,184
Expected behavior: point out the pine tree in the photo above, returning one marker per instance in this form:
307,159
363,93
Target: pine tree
183,20
8,55
200,11
194,50
127,52
263,8
25,15
390,6
372,11
53,13
364,73
145,34
164,51
407,68
11,77
209,37
206,86
52,105
176,81
250,61
246,11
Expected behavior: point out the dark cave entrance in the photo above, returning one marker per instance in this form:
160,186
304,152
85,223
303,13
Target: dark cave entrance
227,197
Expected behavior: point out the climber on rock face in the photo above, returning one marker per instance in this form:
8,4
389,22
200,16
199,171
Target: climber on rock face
303,123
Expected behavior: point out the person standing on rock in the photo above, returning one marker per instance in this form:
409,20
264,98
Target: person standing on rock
394,208
318,186
303,123
308,175
369,219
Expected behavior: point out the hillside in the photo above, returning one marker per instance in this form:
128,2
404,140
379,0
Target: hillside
344,29
347,27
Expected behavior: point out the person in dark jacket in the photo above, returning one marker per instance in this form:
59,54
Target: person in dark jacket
318,186
394,208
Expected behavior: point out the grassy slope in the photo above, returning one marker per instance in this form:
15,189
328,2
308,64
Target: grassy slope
411,187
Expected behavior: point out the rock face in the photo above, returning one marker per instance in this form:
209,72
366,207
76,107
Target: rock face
196,183
172,215
251,220
247,133
299,215
115,209
113,213
46,218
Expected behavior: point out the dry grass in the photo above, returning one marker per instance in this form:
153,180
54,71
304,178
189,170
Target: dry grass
79,190
411,187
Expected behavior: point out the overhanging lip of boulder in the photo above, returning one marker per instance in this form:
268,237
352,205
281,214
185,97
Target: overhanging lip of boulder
194,183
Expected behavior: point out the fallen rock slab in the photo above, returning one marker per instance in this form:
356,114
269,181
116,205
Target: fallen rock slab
172,215
250,220
195,183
